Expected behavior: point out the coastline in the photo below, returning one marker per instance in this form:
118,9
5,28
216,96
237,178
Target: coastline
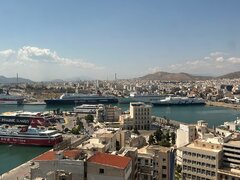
223,104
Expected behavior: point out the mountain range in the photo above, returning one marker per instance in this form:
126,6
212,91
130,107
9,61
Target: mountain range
166,76
162,76
6,80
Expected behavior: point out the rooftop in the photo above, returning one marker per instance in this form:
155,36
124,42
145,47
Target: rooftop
51,155
120,162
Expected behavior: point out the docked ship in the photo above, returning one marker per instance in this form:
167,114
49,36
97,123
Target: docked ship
26,118
179,101
78,99
146,98
29,136
87,108
10,99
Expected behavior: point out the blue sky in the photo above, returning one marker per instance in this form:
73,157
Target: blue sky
46,40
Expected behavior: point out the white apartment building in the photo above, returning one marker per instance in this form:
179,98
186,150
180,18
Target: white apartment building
139,117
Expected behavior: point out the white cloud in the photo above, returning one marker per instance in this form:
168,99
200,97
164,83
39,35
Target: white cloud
217,63
6,53
43,64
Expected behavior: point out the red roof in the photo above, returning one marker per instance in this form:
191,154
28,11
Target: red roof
110,160
51,155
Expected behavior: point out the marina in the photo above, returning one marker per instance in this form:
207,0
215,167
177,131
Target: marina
188,114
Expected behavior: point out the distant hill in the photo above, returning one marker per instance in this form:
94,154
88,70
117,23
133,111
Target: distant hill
233,75
165,76
5,80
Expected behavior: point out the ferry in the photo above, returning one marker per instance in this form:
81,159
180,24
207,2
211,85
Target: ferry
7,99
26,118
29,136
78,99
146,98
179,101
87,108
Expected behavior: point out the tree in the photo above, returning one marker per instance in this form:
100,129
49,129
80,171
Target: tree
89,118
158,134
63,126
173,137
167,136
75,130
135,131
151,139
164,143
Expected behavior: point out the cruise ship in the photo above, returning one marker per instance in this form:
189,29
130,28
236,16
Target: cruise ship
146,98
8,99
29,136
179,101
78,99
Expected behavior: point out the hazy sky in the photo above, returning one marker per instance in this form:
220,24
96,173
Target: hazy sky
49,39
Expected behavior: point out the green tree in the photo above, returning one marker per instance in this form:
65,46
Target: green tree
173,137
151,139
158,134
167,136
75,130
135,131
89,118
164,143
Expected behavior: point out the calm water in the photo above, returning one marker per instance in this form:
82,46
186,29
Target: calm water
12,156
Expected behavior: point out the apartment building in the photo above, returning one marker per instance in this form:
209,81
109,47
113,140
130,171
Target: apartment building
102,166
155,163
139,117
230,168
201,160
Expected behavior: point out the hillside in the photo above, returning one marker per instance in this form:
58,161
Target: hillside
233,75
5,80
165,76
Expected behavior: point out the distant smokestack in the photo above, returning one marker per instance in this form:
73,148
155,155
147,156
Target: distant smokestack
115,76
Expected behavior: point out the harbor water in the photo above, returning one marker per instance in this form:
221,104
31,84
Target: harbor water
12,156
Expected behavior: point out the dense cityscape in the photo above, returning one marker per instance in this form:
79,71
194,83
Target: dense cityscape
120,90
99,140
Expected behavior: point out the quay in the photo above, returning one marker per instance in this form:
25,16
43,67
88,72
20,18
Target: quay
223,104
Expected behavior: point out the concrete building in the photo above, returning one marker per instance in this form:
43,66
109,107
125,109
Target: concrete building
108,113
201,160
139,117
133,154
69,162
185,135
155,162
102,166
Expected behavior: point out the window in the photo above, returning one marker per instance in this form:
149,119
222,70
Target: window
164,167
101,171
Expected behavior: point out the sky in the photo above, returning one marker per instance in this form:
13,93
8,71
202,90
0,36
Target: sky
59,39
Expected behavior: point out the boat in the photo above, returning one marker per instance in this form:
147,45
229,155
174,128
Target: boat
179,101
26,118
8,99
78,99
87,108
146,98
28,135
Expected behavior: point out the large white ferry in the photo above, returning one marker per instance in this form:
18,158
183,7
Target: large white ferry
179,101
29,136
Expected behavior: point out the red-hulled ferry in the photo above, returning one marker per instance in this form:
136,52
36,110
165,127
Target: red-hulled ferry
29,136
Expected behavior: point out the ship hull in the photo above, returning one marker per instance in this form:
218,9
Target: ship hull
31,141
11,102
80,101
176,104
